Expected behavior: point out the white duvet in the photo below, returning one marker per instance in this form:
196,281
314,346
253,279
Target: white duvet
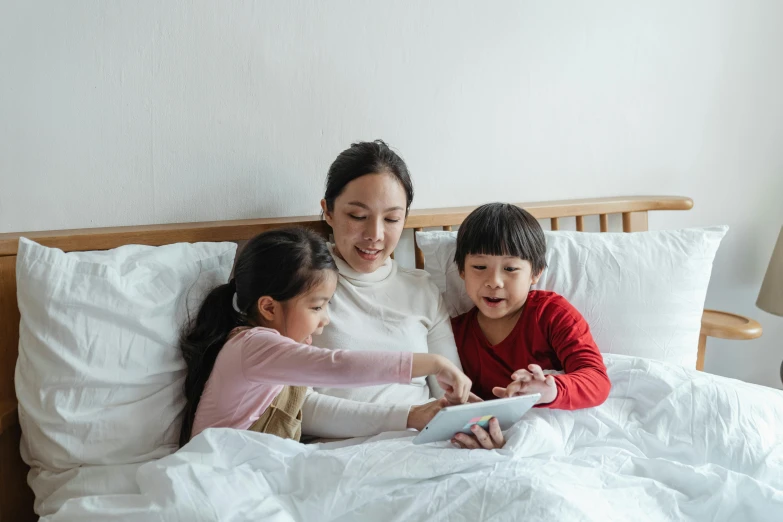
668,444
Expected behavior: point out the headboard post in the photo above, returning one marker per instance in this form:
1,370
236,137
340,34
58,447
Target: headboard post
419,255
635,221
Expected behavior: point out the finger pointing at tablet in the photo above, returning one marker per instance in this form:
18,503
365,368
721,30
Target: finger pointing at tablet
474,398
454,383
449,377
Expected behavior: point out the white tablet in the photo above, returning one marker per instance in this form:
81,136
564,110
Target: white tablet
458,419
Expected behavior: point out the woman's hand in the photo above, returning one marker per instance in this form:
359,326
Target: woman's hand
480,438
526,382
421,414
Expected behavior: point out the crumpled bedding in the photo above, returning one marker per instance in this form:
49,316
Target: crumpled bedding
668,444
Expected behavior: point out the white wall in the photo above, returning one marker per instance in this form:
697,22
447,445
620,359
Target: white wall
119,113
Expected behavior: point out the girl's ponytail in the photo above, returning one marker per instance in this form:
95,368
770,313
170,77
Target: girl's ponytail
201,342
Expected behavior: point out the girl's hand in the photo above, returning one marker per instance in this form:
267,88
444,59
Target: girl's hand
449,377
455,383
472,397
526,382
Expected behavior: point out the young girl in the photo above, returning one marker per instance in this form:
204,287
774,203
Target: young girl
252,337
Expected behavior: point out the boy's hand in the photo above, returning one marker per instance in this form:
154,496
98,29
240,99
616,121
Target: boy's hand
481,438
525,382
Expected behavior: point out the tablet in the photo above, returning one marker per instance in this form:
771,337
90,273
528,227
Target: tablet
458,419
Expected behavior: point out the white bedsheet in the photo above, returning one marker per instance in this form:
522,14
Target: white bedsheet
669,444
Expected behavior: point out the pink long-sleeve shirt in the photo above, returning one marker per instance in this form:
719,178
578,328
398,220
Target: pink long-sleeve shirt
254,365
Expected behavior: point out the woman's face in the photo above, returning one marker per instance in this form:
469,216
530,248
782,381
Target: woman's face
367,220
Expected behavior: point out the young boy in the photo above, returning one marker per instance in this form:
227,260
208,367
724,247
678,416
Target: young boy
514,333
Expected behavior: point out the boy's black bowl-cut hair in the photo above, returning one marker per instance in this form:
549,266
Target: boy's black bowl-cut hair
501,229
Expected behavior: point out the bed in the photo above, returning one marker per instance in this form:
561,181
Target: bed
651,459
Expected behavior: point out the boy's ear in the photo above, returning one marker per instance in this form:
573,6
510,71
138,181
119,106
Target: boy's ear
327,214
462,274
536,277
267,308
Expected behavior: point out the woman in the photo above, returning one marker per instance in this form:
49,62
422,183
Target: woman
377,304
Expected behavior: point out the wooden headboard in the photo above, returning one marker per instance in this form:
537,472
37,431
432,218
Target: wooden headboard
16,499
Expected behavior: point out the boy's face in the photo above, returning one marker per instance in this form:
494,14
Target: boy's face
498,285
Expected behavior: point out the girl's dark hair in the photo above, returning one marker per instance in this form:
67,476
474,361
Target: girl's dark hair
500,229
281,264
366,157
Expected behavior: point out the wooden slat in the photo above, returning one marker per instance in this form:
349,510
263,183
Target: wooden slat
604,219
447,228
9,328
580,223
701,350
634,221
419,254
554,224
16,497
8,415
105,238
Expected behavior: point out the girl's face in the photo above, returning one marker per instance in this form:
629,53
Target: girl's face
367,220
307,314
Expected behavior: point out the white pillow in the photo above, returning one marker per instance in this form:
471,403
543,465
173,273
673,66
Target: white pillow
642,293
99,376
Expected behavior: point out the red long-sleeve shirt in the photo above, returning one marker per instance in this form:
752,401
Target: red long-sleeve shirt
550,332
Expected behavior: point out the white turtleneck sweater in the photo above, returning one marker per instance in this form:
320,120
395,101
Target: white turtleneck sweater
391,309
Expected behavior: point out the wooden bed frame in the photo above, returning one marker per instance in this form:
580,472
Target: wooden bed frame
16,498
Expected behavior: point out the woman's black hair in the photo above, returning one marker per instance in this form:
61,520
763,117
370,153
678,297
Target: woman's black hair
366,157
281,264
501,229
